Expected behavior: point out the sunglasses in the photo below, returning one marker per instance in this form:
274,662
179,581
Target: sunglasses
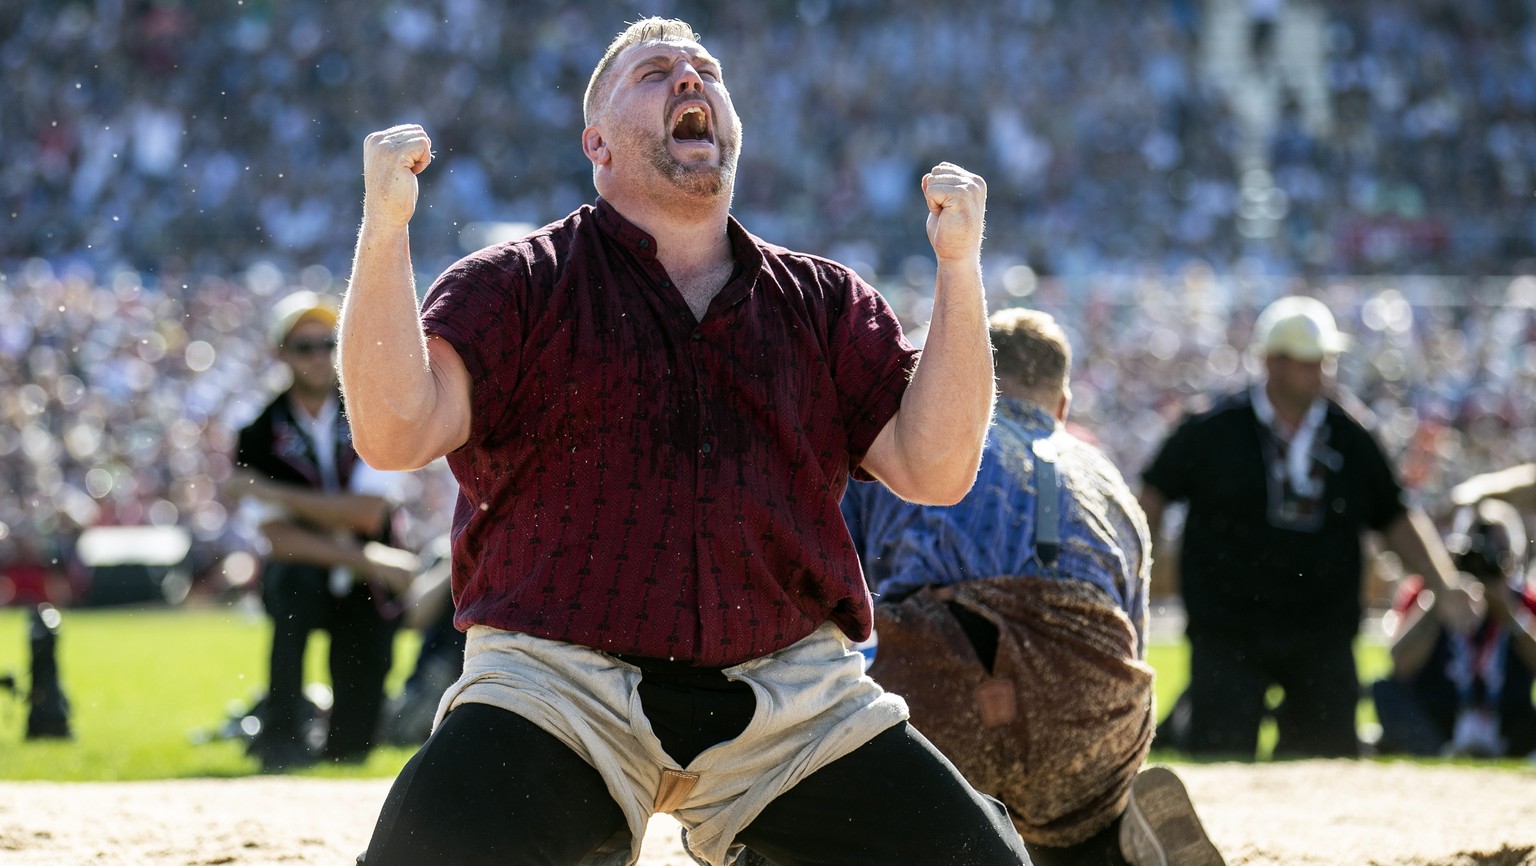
310,347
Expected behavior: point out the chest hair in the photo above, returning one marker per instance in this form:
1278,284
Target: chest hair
700,288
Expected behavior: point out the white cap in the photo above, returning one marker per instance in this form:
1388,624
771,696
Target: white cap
1298,327
297,306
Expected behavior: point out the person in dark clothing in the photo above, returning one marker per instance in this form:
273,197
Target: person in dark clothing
327,519
1466,693
428,609
1281,484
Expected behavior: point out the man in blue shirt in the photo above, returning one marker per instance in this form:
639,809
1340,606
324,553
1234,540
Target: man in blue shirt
1014,624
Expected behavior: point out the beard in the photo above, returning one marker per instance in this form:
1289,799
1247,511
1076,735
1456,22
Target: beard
696,179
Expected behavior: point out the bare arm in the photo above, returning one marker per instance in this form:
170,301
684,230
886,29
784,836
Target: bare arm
1412,536
930,450
1515,485
357,512
293,544
408,398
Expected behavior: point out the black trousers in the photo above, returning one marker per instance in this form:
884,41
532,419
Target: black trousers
362,650
1227,684
490,787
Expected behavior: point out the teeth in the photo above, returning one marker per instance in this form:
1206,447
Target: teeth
693,123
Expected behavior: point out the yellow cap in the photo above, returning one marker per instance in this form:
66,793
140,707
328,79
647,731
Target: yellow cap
297,307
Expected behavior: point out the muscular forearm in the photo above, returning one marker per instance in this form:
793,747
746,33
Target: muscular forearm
929,451
356,512
292,544
408,400
1412,536
385,378
948,405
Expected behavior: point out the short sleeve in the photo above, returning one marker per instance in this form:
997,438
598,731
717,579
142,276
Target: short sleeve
873,362
1176,462
472,306
1384,500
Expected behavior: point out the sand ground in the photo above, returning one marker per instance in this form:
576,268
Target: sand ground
1295,814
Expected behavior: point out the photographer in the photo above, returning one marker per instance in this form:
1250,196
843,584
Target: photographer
1466,695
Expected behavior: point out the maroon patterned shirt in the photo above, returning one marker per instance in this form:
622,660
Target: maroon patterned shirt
642,482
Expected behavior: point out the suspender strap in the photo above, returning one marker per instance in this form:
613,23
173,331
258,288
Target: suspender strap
1047,503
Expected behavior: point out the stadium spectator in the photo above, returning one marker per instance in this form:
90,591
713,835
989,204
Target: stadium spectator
1466,693
1115,149
172,168
327,520
1015,625
428,608
1281,483
652,415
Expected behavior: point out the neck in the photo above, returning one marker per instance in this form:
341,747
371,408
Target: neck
1051,401
689,241
310,400
685,225
1288,411
688,231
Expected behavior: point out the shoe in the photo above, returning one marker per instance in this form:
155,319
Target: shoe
281,755
1160,827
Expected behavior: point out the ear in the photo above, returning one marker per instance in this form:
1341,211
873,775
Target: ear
594,146
1064,404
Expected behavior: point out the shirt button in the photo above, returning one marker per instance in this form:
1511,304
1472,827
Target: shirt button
666,284
698,334
645,243
706,448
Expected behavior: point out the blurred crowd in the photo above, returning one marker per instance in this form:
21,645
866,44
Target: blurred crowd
120,394
173,168
219,134
120,400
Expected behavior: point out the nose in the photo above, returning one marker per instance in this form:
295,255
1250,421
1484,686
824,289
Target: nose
688,80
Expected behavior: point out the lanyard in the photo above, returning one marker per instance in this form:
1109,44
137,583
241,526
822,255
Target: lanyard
1047,503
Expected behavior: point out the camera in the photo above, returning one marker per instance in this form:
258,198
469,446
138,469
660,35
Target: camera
1482,553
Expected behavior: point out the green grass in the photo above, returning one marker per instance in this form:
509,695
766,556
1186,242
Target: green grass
1171,661
143,683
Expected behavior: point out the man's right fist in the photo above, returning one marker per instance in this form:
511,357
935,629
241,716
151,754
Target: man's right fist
391,160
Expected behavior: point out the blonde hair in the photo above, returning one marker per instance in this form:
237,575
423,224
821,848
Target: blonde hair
651,29
1031,353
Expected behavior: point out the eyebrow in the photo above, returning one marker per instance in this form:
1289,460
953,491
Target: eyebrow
668,56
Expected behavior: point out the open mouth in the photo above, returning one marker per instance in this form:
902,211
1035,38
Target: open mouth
692,125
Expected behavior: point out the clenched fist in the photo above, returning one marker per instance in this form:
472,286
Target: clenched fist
957,207
391,160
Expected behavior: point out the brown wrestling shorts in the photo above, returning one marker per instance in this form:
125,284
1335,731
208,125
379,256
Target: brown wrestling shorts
1062,722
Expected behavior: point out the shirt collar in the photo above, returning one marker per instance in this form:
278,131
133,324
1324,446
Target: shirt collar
322,419
618,227
1308,426
1025,412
